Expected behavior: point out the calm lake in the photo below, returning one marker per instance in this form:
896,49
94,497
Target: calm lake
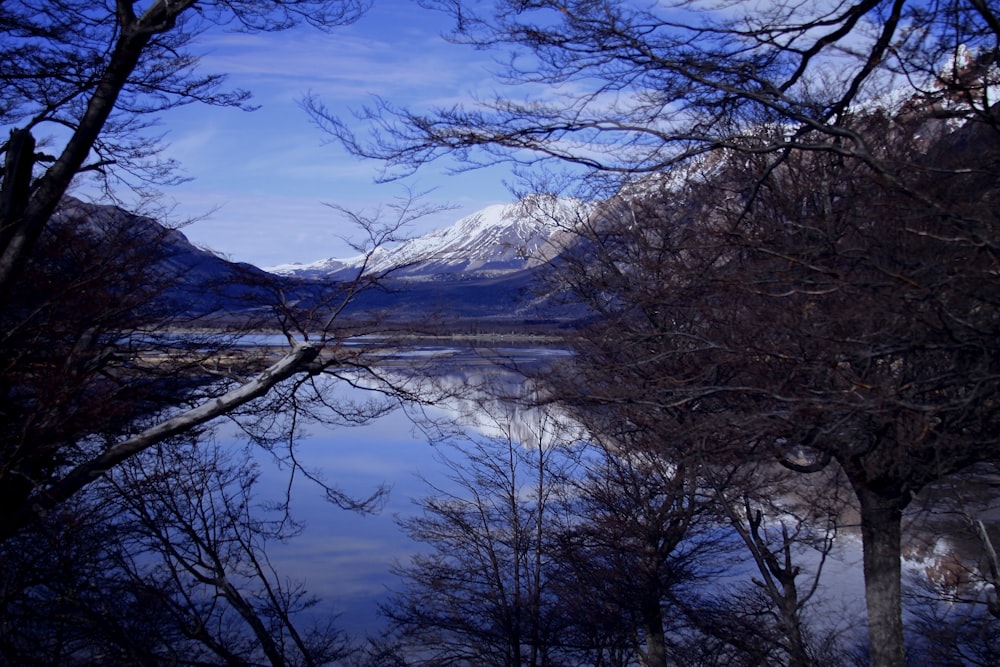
344,557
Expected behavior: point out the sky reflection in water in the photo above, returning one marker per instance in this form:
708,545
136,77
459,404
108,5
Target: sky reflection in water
344,557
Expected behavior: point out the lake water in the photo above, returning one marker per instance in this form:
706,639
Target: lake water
344,557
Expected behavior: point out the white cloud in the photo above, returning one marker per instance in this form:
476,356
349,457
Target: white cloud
265,175
268,228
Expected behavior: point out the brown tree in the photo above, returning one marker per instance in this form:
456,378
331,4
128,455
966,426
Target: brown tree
166,560
90,371
800,310
642,541
832,291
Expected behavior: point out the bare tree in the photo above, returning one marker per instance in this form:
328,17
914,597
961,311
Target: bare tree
192,523
101,366
94,370
88,387
788,526
102,71
634,87
483,593
83,322
866,271
801,311
642,542
164,561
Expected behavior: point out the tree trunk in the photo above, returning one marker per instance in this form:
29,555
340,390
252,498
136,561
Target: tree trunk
655,654
23,231
881,530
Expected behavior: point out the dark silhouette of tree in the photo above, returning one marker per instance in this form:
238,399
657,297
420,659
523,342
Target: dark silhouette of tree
107,353
825,320
193,512
103,72
788,529
165,561
634,88
588,549
90,374
803,264
642,541
102,357
483,590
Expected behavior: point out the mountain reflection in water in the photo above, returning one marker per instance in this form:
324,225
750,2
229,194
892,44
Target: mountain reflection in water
345,558
342,557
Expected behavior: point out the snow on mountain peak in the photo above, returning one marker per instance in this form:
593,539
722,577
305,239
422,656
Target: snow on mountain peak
497,239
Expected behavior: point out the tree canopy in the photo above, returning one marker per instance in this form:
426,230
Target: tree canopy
799,256
637,87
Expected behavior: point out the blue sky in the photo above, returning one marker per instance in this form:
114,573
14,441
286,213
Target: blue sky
262,179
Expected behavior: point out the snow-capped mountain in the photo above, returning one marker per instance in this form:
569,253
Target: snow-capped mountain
495,241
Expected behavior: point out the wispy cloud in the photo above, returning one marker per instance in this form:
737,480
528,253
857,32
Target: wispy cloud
268,228
265,175
368,58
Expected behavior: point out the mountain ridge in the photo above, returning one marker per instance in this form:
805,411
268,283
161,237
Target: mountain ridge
498,240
